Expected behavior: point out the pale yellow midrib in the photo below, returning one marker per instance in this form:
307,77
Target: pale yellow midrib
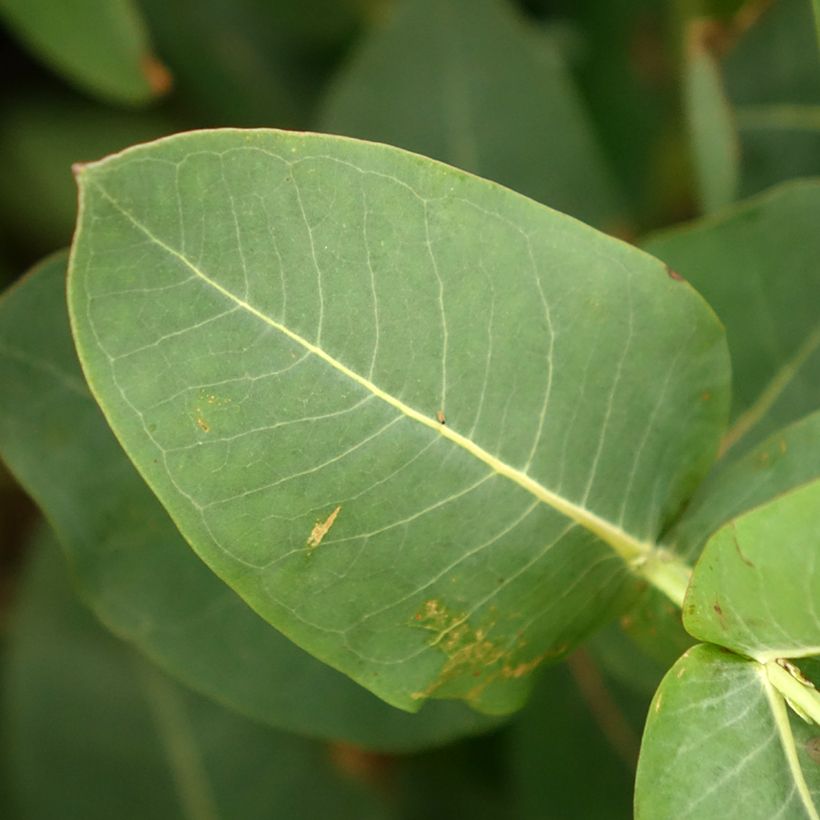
787,742
629,548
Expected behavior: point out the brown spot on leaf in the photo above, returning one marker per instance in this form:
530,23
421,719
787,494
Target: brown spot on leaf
370,768
747,561
813,749
673,274
158,76
321,529
440,417
202,424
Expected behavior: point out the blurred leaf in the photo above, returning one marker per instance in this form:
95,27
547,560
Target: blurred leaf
719,742
101,46
788,458
713,135
772,75
576,715
40,138
249,62
756,586
240,302
94,731
467,82
135,570
737,261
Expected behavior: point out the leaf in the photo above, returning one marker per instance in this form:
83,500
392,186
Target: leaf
719,742
467,82
788,458
504,405
40,137
101,46
772,75
94,731
737,261
134,568
575,710
714,140
756,586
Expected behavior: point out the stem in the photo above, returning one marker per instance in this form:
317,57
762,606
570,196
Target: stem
666,572
804,696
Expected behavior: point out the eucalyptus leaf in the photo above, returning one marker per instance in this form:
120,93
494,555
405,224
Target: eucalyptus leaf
94,731
713,135
434,506
469,83
737,260
136,571
99,45
720,742
756,586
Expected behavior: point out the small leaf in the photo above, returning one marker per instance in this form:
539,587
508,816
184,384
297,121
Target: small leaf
134,568
737,262
93,731
756,586
714,140
470,83
719,742
272,322
99,45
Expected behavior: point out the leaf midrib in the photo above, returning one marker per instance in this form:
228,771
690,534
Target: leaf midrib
631,549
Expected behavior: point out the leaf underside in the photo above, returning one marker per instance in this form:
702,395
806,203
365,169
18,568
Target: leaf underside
417,421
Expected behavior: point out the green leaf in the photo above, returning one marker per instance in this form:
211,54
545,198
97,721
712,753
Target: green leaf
137,572
419,422
772,75
41,136
737,262
94,731
575,710
788,458
469,83
99,45
714,140
756,586
719,742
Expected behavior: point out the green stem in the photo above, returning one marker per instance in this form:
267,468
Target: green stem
801,695
666,572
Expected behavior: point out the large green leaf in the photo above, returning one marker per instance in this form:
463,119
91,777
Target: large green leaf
467,82
720,742
93,731
737,261
788,458
135,569
421,423
100,45
756,586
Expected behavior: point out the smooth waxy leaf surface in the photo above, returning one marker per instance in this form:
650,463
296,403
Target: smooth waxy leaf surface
720,742
100,45
737,261
135,569
785,460
470,83
95,732
756,587
714,141
416,420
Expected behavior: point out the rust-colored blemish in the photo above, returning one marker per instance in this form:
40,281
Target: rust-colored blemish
440,417
747,561
673,274
202,424
158,76
321,529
